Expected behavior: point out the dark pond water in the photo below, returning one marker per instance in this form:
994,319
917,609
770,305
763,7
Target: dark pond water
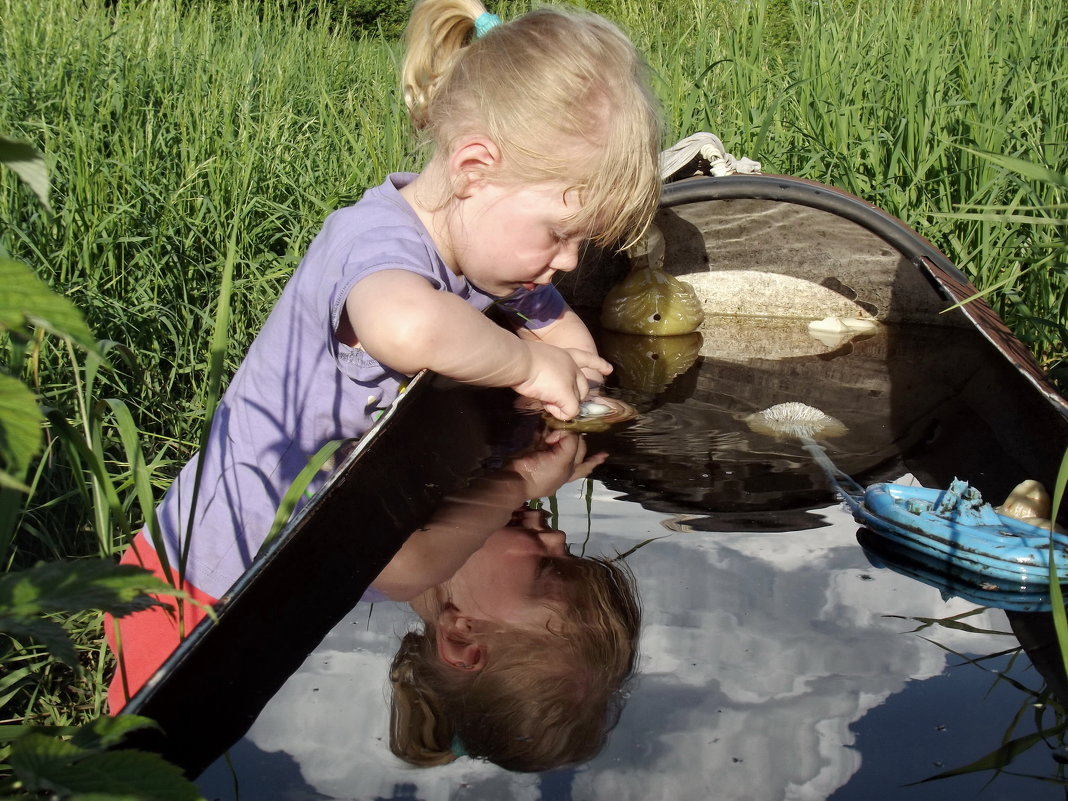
775,660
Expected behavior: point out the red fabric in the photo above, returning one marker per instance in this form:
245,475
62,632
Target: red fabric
148,637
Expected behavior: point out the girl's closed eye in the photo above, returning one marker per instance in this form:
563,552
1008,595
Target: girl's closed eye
566,236
549,567
550,580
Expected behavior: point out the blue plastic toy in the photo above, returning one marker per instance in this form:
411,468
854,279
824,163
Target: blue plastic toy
955,527
949,531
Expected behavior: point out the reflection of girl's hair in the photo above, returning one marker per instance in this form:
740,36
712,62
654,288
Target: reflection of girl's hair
544,699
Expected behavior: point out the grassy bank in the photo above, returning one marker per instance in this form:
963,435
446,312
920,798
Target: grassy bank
187,138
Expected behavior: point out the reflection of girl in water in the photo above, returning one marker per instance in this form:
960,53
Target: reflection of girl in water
524,648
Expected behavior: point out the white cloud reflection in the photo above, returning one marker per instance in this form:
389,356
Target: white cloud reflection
758,652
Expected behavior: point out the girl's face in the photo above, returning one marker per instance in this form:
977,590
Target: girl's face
505,237
513,578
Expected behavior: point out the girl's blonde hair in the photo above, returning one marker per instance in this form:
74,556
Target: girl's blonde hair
563,95
544,699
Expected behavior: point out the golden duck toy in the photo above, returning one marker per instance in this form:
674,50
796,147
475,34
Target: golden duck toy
650,301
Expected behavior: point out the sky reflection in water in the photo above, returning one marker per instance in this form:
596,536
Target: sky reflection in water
759,654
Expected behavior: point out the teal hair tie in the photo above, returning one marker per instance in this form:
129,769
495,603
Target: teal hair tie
485,23
458,749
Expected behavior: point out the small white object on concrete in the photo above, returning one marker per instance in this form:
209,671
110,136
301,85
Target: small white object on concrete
842,325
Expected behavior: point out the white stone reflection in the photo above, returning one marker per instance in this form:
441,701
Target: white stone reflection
758,652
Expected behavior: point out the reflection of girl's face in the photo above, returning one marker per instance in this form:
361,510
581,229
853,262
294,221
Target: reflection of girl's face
513,578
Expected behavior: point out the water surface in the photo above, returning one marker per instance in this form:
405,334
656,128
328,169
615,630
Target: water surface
775,660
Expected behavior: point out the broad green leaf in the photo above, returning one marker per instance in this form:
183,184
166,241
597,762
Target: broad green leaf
46,764
12,731
104,732
20,429
127,774
75,586
108,732
8,481
27,300
28,164
39,749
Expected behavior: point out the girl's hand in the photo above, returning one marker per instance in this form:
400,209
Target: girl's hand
560,458
568,331
556,378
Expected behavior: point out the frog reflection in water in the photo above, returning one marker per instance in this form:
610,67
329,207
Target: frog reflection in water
523,648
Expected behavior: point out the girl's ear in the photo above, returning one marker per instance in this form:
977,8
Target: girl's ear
472,162
456,641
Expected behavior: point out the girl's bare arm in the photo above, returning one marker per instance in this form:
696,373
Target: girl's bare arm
403,322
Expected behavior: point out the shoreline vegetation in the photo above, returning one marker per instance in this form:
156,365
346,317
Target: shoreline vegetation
194,147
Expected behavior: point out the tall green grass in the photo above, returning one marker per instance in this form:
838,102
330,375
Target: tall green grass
183,141
190,140
950,114
167,127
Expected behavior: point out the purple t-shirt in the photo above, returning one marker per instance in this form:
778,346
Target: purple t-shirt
299,387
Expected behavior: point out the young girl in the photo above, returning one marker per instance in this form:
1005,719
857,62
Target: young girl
534,686
524,648
544,136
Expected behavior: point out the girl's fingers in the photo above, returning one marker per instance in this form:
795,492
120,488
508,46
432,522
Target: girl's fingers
557,412
583,358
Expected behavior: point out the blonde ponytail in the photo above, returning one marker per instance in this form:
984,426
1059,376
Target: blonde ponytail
437,32
419,731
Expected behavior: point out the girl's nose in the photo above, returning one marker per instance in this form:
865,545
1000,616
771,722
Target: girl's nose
555,542
566,258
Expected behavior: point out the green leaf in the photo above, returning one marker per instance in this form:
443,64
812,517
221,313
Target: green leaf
20,430
27,300
1060,619
76,586
298,487
74,439
104,732
8,481
1028,169
108,732
12,682
27,595
28,164
46,632
46,764
997,759
12,731
130,436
